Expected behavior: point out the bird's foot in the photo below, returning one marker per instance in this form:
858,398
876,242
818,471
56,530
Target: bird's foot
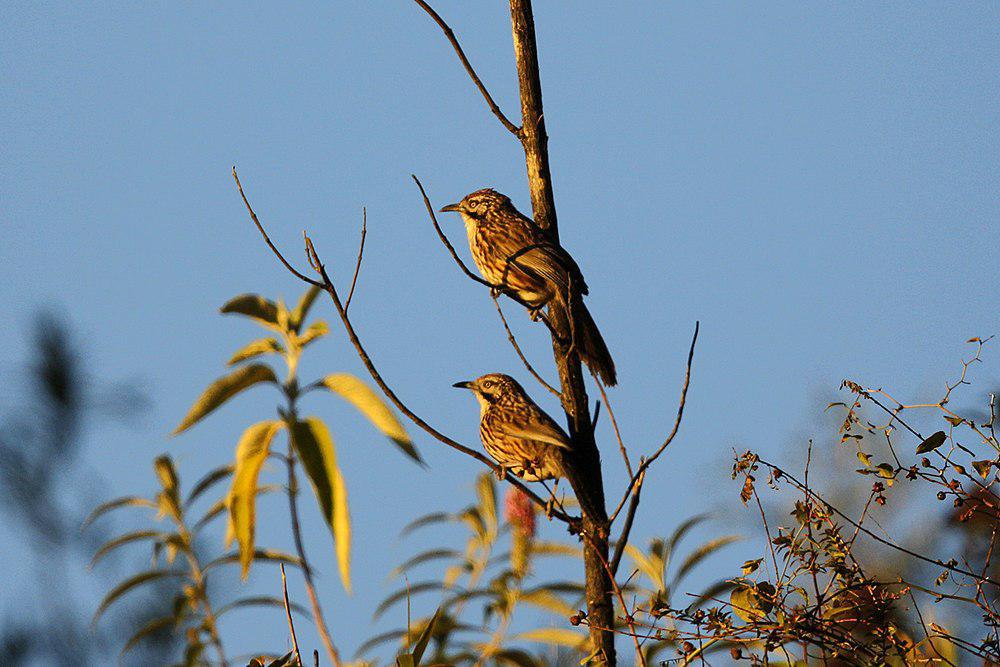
495,292
501,473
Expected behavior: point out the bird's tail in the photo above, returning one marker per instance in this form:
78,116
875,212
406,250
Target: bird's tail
591,346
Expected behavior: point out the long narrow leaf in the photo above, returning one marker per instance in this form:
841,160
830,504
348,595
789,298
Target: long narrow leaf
260,601
251,452
371,405
154,626
126,501
301,310
206,482
702,552
314,446
130,583
254,306
266,555
122,540
255,349
222,504
224,389
402,594
421,644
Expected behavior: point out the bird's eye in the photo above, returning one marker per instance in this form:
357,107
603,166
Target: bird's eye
488,384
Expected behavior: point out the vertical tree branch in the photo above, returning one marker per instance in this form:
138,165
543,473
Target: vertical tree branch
583,468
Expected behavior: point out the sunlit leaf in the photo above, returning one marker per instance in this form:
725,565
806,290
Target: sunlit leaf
222,505
932,442
425,557
130,583
224,389
549,601
542,548
314,446
746,604
371,405
554,637
983,467
126,501
254,306
487,493
301,310
427,520
516,658
645,566
316,330
256,348
122,540
251,452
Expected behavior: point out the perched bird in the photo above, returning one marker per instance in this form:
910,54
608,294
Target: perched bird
511,251
516,432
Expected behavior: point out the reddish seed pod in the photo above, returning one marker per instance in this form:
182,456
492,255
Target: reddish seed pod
941,495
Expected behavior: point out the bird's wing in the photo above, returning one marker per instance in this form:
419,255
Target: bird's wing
553,264
537,426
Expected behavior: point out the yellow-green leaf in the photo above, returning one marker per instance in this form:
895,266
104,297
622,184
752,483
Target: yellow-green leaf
254,306
127,501
317,329
257,348
314,446
487,502
302,309
358,394
223,389
251,452
130,583
745,603
555,637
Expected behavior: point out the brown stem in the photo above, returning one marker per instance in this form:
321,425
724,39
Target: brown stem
583,468
317,611
361,254
288,615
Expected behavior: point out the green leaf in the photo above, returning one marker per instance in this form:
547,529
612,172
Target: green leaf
314,446
316,330
414,589
750,566
425,557
298,315
427,520
166,473
885,471
122,540
251,452
130,583
865,459
260,601
126,501
257,348
358,394
210,479
421,644
932,442
224,389
154,626
554,637
745,603
487,493
253,306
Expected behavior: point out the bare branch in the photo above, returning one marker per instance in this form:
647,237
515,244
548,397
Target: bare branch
517,348
670,438
288,613
513,129
361,254
267,239
614,422
317,264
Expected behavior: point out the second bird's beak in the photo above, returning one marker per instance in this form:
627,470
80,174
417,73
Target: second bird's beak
462,385
451,207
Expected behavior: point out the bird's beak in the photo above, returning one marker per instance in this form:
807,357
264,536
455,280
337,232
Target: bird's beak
451,207
462,385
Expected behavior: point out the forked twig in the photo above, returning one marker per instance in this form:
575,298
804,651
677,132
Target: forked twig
361,254
288,613
517,348
449,33
666,443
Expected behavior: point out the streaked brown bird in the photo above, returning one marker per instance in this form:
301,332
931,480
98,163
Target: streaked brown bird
510,250
515,431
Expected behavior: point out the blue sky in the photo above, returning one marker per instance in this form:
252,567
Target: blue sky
817,184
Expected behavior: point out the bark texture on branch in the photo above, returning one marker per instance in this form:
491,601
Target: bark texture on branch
584,469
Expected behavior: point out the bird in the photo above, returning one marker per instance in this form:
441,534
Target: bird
517,433
513,253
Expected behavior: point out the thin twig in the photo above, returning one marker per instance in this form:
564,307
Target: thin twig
622,542
614,423
673,432
288,613
520,354
361,254
514,129
317,611
267,239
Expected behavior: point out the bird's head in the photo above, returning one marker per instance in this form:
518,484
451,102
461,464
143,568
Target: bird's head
481,203
491,387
